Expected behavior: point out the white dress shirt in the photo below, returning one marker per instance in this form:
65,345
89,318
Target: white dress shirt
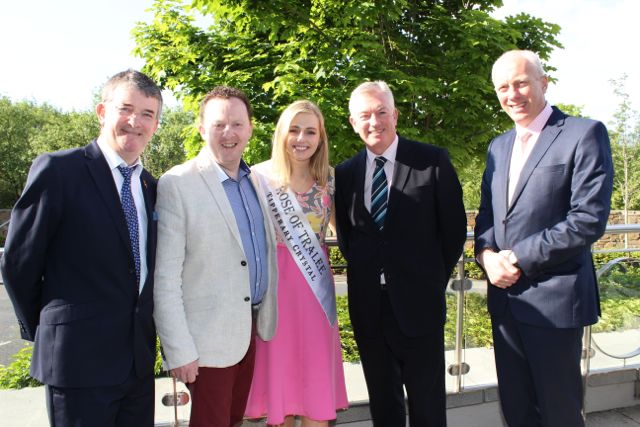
390,155
114,160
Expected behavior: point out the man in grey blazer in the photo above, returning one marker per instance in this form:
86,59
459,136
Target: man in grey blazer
216,270
545,199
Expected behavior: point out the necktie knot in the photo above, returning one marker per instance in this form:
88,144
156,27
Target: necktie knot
127,172
380,161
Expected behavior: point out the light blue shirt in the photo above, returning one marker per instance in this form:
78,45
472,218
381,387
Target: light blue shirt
250,220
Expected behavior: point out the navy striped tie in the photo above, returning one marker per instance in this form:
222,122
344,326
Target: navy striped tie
379,193
131,215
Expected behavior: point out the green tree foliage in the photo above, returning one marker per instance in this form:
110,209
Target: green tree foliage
28,130
625,148
471,177
436,55
571,109
18,122
166,149
62,131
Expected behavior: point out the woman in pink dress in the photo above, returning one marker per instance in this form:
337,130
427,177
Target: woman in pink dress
299,372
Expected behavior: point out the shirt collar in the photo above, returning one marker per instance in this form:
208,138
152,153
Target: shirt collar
243,171
389,153
113,159
535,127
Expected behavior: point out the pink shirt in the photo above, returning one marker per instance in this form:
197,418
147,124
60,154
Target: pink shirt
519,158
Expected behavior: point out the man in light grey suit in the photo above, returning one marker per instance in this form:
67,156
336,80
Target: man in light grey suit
216,269
545,199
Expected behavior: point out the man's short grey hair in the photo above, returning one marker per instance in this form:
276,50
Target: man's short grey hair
135,79
530,56
371,87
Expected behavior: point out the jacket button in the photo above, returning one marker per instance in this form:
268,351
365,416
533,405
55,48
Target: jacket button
247,299
243,263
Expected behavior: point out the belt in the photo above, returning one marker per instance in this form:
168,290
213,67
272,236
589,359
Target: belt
255,309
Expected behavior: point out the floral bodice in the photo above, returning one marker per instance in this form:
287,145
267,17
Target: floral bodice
317,204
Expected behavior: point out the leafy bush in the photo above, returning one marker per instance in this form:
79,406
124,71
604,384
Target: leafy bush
620,294
16,375
347,341
471,269
337,261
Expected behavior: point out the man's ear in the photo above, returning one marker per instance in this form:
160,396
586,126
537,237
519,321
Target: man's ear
100,111
353,124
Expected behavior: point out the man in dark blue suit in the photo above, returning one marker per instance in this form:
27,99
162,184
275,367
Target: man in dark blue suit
401,227
545,199
79,261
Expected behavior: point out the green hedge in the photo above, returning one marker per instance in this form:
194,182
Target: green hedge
16,375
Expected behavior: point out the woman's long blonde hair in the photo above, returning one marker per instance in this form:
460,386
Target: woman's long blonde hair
281,164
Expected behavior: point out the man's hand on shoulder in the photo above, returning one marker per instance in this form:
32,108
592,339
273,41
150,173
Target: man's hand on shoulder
500,267
187,373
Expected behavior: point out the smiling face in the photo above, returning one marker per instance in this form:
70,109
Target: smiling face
520,88
226,129
303,137
374,118
128,121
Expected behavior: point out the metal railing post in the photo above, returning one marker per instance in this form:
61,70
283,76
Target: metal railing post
459,367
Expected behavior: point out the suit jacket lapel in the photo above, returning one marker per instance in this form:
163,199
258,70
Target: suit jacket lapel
209,174
149,199
503,157
400,168
358,178
148,191
103,178
549,134
401,171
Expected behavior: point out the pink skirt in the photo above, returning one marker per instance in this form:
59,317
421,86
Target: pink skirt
298,372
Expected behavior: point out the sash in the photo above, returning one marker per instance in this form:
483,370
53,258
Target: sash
303,245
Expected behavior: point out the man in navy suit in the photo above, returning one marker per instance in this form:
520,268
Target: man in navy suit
545,199
79,261
401,226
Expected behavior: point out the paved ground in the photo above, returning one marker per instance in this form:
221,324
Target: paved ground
26,408
10,341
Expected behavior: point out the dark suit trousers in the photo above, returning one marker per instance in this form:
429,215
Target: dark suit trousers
539,378
391,360
130,404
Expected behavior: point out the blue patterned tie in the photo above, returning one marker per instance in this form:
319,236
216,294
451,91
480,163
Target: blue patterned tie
379,193
131,215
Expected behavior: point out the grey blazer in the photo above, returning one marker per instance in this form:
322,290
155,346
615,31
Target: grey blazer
202,296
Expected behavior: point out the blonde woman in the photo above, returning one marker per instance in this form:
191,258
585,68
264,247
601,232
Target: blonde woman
299,372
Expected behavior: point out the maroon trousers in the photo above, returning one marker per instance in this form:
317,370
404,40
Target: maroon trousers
219,395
